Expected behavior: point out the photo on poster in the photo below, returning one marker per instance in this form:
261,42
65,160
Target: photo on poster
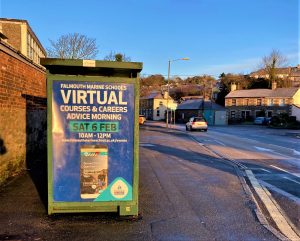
93,170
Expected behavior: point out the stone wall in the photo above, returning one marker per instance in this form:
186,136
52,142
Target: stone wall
23,116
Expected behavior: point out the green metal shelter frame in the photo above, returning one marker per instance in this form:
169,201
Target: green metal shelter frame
102,71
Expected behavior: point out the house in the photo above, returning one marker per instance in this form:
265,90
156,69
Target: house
23,103
291,74
19,35
214,114
249,104
296,112
154,106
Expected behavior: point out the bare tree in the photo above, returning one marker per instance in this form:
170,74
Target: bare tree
271,62
73,46
113,56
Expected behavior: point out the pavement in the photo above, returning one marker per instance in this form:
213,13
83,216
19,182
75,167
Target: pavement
169,210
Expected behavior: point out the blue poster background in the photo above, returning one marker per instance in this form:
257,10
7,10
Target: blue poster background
66,144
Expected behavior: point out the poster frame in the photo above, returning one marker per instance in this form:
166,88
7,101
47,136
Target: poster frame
123,207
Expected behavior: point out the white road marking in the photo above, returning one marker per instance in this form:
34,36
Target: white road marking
265,170
297,152
262,149
221,143
145,144
269,203
278,168
282,192
291,180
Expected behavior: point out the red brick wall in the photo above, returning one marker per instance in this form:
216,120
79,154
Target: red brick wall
13,32
22,111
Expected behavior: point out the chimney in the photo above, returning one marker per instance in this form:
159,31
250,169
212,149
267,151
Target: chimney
166,95
233,87
274,85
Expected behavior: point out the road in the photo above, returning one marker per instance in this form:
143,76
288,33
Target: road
186,193
205,195
273,155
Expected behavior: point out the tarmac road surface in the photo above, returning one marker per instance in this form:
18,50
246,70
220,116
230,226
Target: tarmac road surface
186,193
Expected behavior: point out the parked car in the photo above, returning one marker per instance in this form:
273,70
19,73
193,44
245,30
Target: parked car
196,123
262,120
259,120
142,119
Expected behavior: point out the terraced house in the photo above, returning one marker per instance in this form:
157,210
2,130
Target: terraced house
248,104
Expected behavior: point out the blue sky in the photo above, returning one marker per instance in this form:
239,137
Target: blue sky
218,36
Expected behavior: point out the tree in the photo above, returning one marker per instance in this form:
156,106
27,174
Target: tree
242,82
113,56
271,62
151,83
73,46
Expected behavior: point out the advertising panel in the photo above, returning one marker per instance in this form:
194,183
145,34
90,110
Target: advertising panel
92,141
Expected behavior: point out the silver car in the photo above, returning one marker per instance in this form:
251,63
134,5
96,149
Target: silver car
196,123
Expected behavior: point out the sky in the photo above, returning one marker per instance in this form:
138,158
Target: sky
230,36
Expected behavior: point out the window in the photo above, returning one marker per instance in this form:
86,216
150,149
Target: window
232,114
160,103
258,102
271,102
245,114
233,102
157,113
281,102
269,113
246,102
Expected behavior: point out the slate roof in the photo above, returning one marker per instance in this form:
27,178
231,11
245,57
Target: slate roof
277,71
260,93
197,104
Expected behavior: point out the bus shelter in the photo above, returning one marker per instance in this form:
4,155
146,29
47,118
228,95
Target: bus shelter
93,136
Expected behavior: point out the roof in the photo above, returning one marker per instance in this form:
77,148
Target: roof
277,70
249,93
92,67
197,104
260,93
190,104
191,97
284,92
155,95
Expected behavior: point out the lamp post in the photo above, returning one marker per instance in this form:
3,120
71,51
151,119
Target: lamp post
169,67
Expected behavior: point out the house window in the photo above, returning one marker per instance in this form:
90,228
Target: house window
232,114
259,113
269,113
233,102
281,102
245,114
259,102
157,113
160,103
246,102
271,102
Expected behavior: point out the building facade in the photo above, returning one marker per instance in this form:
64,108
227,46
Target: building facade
248,104
23,114
154,106
20,36
214,114
290,74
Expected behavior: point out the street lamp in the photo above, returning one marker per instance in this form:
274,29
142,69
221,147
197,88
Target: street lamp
169,66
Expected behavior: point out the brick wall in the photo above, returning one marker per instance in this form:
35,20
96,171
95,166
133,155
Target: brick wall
13,32
22,112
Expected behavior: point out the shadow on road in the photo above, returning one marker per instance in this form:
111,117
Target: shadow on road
188,155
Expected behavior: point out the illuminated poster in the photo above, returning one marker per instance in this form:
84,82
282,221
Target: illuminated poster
92,141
